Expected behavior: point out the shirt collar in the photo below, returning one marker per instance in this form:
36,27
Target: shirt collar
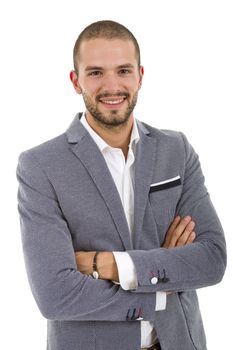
134,138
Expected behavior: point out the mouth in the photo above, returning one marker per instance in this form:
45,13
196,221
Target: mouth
112,101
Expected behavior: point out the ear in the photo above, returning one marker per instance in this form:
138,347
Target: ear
74,80
141,73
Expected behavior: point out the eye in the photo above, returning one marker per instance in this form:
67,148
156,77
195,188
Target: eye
94,73
124,71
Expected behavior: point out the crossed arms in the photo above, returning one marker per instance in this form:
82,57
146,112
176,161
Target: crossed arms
180,233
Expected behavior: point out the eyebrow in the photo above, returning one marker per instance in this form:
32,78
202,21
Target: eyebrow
88,68
127,65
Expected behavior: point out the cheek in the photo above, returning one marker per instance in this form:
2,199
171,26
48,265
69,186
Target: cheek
91,89
133,84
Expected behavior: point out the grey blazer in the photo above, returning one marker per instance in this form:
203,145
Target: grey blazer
68,202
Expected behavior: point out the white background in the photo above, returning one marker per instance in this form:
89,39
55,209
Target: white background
188,85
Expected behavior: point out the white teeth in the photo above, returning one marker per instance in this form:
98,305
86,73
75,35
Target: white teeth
112,102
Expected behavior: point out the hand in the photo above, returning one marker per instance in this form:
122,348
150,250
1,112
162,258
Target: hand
180,233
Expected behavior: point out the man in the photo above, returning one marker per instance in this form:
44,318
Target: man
108,211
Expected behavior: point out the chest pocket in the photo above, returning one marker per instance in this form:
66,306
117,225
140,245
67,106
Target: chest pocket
163,201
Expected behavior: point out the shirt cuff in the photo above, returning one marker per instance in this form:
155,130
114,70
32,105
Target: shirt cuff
161,301
128,278
126,270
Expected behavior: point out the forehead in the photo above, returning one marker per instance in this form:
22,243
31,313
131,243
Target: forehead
99,52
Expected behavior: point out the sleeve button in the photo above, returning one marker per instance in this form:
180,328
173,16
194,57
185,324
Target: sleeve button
154,280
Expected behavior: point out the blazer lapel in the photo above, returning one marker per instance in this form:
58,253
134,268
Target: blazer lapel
84,147
144,168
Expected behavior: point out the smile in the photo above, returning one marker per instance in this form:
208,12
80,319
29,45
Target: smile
112,102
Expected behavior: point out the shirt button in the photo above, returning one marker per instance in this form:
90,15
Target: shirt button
154,280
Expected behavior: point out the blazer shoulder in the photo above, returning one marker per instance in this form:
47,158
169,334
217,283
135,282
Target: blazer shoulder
47,150
173,142
164,134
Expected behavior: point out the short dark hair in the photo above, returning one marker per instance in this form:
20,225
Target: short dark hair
106,30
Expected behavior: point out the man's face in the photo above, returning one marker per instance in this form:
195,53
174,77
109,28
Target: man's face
108,79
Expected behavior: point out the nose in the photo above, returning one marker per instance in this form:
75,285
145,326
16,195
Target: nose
111,83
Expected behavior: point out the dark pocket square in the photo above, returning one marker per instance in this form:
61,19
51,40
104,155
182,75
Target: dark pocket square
163,185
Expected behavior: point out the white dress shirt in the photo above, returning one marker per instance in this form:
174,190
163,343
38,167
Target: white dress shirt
122,171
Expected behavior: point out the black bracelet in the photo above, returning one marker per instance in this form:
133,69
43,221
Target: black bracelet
95,273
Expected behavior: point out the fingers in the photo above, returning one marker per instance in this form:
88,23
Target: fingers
187,235
170,231
191,237
180,232
173,226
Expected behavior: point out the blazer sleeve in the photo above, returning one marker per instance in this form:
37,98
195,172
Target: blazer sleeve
193,266
60,290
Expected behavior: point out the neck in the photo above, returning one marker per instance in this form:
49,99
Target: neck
117,136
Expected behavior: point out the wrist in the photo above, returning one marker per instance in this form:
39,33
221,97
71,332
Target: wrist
95,270
107,267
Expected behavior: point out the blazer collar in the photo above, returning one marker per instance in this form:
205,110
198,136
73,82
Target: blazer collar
84,147
145,164
76,130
